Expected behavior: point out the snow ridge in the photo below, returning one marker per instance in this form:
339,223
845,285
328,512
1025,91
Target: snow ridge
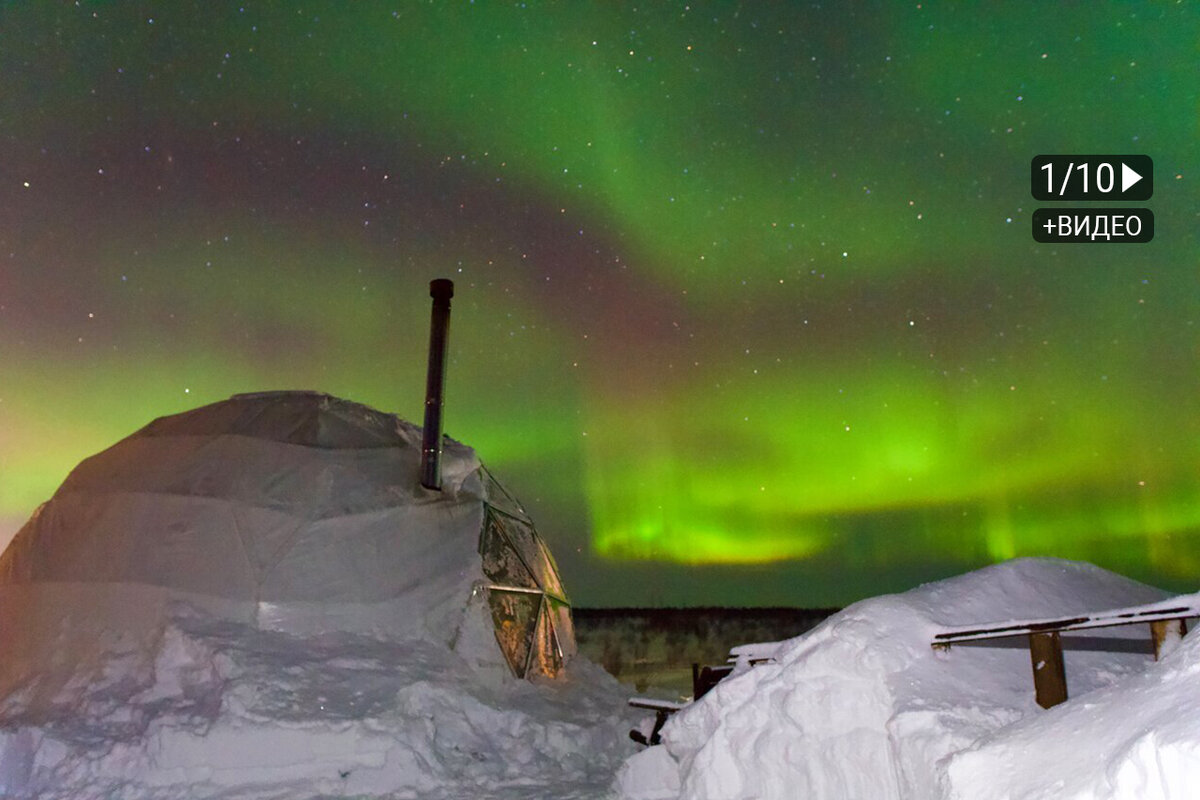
862,706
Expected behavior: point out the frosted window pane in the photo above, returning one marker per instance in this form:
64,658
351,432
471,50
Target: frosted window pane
498,497
515,616
500,562
546,658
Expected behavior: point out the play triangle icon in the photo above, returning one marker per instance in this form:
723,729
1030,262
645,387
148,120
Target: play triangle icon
1128,177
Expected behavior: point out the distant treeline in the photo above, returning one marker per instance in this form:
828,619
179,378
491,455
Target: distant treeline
776,613
657,646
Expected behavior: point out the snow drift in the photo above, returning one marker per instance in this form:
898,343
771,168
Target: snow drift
207,707
863,707
1136,740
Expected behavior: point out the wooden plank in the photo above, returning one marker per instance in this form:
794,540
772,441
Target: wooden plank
655,705
1049,673
1069,643
662,709
1106,619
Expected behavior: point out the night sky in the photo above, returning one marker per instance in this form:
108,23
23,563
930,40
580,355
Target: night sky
748,309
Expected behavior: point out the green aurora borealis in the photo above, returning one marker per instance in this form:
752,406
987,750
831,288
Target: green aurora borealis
747,306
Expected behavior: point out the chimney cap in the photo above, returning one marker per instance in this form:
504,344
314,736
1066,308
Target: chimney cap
441,288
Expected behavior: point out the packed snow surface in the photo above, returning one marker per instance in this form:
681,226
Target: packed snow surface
1136,740
863,707
209,707
142,692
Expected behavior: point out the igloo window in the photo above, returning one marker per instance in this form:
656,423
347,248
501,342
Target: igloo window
530,610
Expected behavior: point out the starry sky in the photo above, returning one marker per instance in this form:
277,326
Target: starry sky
748,310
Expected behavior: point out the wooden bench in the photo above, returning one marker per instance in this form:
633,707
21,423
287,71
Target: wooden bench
662,710
1166,620
704,679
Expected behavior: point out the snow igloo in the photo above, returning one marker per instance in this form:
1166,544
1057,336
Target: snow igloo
293,511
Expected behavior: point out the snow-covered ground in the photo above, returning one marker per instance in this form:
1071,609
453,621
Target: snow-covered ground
204,707
862,707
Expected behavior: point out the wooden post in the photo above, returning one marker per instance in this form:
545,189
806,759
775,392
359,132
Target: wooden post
1049,674
1161,629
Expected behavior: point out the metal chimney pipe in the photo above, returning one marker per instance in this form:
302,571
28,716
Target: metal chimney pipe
441,290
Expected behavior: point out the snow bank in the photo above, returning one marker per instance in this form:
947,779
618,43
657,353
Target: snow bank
1139,740
861,706
205,706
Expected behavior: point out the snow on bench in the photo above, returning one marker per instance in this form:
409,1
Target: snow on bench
741,658
655,704
1166,619
758,653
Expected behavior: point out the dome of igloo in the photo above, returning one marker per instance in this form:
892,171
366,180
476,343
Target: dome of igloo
300,499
